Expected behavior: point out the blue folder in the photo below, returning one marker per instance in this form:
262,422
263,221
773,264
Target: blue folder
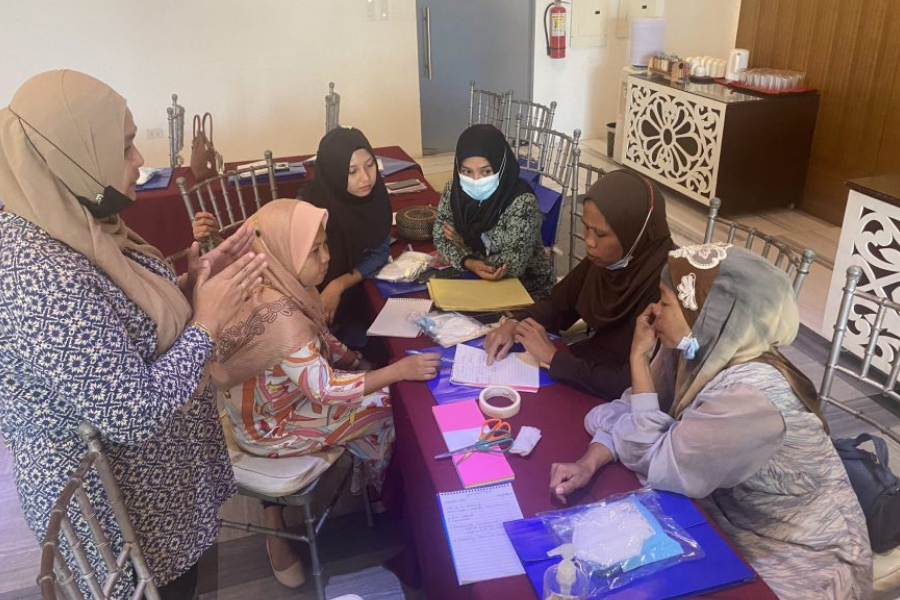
398,288
550,204
157,181
719,568
445,392
394,165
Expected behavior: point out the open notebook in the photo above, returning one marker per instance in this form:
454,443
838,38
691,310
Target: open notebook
396,318
470,368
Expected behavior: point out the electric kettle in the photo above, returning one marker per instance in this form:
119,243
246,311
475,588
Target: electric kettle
738,60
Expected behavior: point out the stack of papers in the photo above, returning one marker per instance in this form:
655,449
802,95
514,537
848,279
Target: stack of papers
478,295
470,368
397,318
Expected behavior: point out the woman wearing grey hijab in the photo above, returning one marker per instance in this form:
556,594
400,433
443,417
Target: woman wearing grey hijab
720,415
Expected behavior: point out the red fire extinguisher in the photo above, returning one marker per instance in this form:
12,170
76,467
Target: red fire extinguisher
555,29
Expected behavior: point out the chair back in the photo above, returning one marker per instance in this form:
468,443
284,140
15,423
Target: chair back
551,164
795,265
231,196
491,108
583,177
176,132
56,576
532,114
332,109
865,328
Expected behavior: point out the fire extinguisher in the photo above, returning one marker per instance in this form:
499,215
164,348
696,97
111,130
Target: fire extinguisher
555,29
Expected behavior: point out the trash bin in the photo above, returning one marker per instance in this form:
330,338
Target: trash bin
610,138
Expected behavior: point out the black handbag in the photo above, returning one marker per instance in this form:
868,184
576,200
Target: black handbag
877,488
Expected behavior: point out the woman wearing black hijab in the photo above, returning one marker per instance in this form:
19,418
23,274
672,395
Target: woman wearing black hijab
627,242
488,219
348,185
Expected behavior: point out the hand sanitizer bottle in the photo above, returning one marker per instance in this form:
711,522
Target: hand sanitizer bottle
565,581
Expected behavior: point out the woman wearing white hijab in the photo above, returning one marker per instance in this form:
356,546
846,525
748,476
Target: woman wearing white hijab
94,326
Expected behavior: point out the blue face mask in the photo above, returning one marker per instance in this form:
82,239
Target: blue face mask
480,189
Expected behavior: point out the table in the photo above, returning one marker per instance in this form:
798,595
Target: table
159,216
558,411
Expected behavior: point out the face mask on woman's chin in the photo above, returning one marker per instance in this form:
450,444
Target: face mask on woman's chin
619,264
480,190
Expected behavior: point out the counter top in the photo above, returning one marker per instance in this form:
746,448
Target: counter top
713,91
882,187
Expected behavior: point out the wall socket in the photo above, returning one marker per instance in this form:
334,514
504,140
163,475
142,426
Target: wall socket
629,9
156,133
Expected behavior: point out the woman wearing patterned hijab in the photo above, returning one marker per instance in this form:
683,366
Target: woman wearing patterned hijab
488,219
94,326
722,416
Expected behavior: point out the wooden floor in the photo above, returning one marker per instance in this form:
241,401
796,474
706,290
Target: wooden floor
237,567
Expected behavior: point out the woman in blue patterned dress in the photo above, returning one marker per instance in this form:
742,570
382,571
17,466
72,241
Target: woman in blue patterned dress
95,326
720,415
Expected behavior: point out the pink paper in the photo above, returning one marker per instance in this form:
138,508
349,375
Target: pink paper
477,468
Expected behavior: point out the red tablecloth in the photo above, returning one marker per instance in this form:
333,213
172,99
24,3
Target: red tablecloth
558,411
160,217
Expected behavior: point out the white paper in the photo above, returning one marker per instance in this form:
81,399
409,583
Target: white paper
461,438
396,318
470,368
474,520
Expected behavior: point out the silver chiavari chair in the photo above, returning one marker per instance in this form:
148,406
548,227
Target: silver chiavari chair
583,177
226,196
332,109
489,108
552,161
795,265
534,115
176,132
56,578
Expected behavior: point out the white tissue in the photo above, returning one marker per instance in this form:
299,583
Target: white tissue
610,534
526,440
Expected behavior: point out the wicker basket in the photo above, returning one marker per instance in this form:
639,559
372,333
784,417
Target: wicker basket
415,223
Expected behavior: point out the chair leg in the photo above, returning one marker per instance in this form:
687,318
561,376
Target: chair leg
314,551
368,506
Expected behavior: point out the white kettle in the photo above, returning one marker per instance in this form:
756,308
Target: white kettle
738,60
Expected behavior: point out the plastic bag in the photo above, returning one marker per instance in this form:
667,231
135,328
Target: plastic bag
405,267
622,538
451,328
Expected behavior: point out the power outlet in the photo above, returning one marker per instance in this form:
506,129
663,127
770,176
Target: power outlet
632,9
156,133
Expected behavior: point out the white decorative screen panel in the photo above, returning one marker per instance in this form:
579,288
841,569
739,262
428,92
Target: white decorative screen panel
870,239
674,137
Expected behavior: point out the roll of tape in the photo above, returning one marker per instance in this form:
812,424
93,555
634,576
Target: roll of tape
500,412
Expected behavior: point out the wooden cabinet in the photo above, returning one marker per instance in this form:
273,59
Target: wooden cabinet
705,141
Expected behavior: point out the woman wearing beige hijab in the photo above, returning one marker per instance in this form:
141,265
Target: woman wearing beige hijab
292,387
94,326
721,415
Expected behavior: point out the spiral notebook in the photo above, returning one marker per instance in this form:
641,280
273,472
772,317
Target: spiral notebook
396,318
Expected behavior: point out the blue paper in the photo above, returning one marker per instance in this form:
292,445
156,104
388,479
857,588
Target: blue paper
720,567
159,180
445,392
394,165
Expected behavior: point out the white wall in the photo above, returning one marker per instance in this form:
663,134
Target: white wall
585,83
261,68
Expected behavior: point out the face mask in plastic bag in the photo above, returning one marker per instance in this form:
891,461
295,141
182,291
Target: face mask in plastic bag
450,328
611,534
405,267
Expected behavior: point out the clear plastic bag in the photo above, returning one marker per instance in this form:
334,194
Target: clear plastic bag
405,267
622,538
451,328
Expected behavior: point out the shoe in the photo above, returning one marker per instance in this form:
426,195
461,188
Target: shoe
292,577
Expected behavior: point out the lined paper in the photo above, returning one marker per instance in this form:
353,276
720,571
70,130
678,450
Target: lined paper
470,368
474,521
396,318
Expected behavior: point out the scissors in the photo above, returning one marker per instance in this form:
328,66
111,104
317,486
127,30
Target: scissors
496,437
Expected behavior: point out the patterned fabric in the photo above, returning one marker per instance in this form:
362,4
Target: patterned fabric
303,405
768,471
515,242
74,347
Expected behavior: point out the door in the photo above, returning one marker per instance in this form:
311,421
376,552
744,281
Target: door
488,41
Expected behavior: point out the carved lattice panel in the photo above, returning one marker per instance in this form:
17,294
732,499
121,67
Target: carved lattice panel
870,239
674,137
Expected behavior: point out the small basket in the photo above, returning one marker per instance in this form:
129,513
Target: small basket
415,223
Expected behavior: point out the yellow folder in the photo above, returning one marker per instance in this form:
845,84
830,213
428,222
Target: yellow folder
478,294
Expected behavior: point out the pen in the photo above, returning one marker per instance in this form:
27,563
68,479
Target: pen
444,359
